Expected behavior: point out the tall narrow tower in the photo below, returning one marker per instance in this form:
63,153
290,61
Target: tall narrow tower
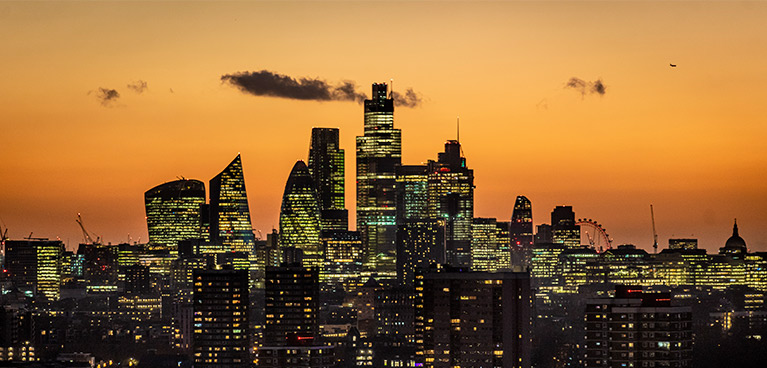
379,152
521,232
326,165
229,213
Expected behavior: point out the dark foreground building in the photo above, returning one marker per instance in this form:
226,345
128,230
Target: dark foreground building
221,319
474,319
637,329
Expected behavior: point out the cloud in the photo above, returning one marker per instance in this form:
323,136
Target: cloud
585,87
138,86
106,96
409,99
267,83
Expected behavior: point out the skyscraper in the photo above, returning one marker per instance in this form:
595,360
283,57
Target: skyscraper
292,305
343,258
474,319
420,243
221,327
326,165
564,229
379,152
451,199
521,232
35,265
412,193
229,213
300,216
173,213
490,245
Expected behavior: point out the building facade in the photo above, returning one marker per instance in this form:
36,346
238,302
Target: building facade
300,216
326,165
173,213
229,211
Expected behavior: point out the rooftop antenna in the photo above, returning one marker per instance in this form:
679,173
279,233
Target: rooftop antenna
458,129
391,88
654,233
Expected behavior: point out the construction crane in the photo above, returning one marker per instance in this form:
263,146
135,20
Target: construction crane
88,239
654,233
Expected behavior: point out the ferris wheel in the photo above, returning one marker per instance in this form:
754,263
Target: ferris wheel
594,235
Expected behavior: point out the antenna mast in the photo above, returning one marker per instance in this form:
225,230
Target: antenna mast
654,233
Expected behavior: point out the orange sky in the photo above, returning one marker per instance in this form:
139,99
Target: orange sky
690,140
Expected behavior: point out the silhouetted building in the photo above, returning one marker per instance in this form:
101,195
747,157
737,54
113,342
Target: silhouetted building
474,319
221,319
420,243
35,266
735,245
686,244
137,280
300,216
564,229
379,152
229,212
637,329
292,306
543,234
173,213
521,232
451,199
326,165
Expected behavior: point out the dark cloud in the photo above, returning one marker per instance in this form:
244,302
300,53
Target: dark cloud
106,95
585,87
138,86
266,83
409,99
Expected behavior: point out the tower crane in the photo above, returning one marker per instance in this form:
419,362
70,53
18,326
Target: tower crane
654,233
86,235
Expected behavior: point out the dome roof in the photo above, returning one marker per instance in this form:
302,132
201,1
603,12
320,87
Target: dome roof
735,241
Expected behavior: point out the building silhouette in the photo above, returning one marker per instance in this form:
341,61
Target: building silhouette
34,266
300,216
173,213
229,212
521,232
221,319
326,165
563,227
420,244
474,319
379,152
735,245
451,199
291,306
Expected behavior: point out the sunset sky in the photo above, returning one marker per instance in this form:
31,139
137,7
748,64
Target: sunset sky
691,140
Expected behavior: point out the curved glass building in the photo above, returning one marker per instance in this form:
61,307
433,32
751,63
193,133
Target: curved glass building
300,216
229,213
173,213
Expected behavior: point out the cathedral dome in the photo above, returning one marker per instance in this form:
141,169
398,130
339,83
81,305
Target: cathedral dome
735,242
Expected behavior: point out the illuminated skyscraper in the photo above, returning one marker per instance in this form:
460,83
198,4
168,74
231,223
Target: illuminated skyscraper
173,213
521,232
221,328
35,265
343,258
229,213
379,152
300,216
326,165
564,229
490,245
420,243
412,193
451,199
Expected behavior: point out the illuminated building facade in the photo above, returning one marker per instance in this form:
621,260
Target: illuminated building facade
564,229
300,216
229,212
344,257
292,305
451,199
637,329
35,266
379,152
326,165
221,327
173,213
420,243
687,244
490,245
521,232
474,319
412,193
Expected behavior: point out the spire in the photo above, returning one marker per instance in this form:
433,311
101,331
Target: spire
735,228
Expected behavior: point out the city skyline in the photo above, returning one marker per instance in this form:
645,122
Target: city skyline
698,168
